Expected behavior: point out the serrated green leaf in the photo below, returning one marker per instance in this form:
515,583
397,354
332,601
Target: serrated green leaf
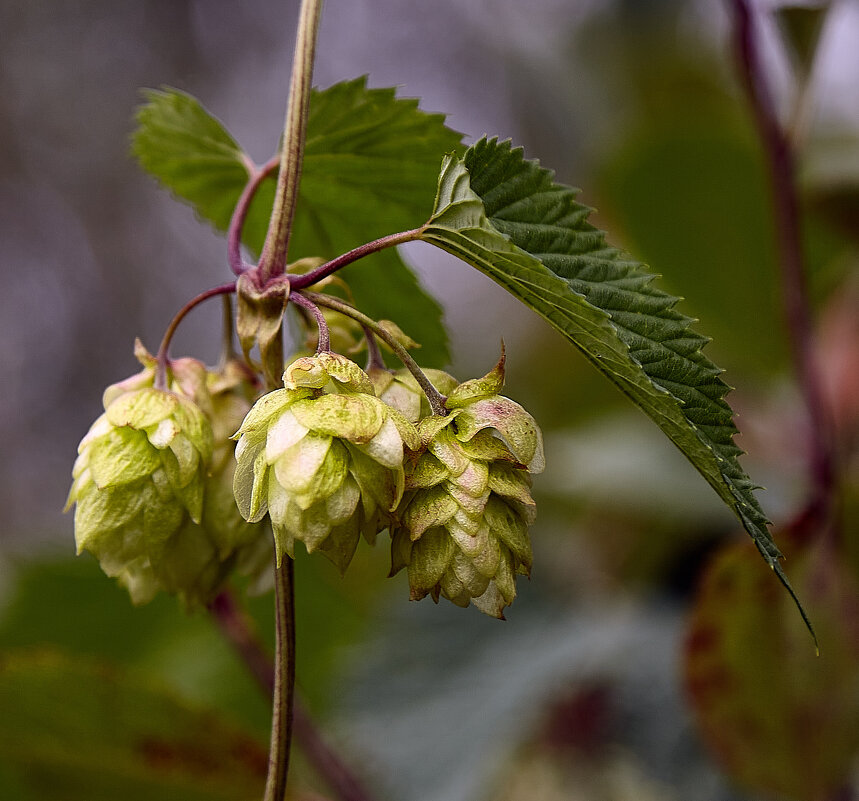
507,217
190,153
371,161
75,729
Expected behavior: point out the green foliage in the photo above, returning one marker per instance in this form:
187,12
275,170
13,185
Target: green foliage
370,164
506,216
81,730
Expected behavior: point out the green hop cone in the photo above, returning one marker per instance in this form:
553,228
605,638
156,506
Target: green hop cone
323,457
139,475
462,529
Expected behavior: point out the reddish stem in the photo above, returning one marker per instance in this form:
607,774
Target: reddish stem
324,344
162,359
256,175
781,166
324,270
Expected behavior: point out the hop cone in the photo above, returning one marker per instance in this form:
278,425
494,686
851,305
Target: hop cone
462,527
139,475
185,541
324,458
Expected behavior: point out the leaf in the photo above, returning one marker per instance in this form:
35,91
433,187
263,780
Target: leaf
371,161
781,720
75,729
506,217
190,153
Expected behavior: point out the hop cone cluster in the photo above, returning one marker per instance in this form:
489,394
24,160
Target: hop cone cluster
324,457
152,482
462,525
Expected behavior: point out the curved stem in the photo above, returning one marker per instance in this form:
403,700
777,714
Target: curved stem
284,682
435,398
324,344
374,355
797,307
273,259
161,366
238,629
324,270
256,175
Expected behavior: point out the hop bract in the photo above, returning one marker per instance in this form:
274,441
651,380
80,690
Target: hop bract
400,390
324,458
139,476
462,527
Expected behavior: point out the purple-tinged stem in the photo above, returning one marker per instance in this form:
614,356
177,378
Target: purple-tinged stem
162,358
781,166
324,344
238,630
374,355
256,175
324,270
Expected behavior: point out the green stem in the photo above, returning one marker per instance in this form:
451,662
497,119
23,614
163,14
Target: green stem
273,259
435,398
284,682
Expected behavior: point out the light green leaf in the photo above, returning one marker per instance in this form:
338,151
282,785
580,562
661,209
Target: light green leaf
75,729
371,162
190,153
506,217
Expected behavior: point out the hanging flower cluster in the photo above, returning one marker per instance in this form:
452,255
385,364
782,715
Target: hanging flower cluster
175,483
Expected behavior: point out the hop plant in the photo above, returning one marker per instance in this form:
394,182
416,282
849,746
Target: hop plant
140,473
401,390
462,526
324,457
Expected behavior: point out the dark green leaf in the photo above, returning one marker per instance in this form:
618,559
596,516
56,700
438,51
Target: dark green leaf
73,729
371,162
506,216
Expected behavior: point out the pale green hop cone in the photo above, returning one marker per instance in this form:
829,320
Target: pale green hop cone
323,457
462,528
139,475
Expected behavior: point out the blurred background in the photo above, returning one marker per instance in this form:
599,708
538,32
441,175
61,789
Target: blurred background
584,693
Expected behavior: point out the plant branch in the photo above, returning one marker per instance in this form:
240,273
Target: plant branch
273,259
238,629
435,398
324,270
256,175
162,359
284,682
781,166
324,343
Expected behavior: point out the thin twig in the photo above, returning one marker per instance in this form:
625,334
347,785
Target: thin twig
256,175
324,270
797,308
238,629
435,398
324,343
162,358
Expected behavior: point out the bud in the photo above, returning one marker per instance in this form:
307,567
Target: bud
462,527
324,458
139,475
